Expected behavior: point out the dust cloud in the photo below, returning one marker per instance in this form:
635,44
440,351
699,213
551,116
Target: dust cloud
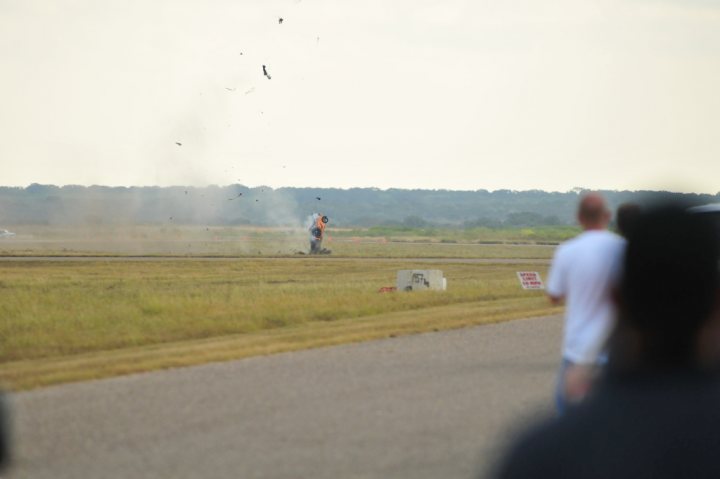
181,220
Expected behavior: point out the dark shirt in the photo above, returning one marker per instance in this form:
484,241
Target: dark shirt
661,425
5,448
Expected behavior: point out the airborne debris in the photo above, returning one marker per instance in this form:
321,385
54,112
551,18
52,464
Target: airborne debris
230,89
250,90
280,20
318,198
265,72
178,143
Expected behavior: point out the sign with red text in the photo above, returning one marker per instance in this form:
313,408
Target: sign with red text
530,280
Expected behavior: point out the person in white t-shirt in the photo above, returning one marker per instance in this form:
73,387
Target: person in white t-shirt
582,275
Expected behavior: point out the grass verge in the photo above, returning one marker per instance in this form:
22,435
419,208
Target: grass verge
34,373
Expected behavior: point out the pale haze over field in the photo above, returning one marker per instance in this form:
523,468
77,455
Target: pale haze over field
517,94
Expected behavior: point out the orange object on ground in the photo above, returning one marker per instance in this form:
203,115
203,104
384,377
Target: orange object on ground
387,289
319,223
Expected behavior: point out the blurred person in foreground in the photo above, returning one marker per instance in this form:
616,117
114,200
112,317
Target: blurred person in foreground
5,432
655,413
582,274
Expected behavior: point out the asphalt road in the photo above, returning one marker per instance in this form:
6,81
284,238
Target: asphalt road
438,405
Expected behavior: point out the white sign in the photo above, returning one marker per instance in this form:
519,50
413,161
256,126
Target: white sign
530,280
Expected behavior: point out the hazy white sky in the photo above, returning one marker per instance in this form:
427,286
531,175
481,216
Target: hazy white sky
516,94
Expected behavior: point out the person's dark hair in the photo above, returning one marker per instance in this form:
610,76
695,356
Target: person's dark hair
626,216
670,279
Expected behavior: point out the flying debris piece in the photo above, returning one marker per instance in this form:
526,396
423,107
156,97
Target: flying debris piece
240,53
178,143
250,90
280,20
230,89
256,201
265,72
318,198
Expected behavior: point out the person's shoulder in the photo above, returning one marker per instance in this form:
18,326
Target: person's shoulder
612,236
598,238
561,252
614,242
569,244
551,447
568,247
600,235
533,452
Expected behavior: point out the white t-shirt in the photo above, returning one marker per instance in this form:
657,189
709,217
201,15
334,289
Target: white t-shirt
583,271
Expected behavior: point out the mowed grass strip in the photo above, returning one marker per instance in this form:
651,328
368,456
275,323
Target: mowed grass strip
21,375
246,241
252,248
72,321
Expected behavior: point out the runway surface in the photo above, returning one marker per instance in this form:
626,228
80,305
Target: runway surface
437,405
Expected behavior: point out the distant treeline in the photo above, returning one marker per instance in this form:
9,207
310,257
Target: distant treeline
264,206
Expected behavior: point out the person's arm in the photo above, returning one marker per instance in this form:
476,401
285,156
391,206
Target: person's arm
556,287
556,300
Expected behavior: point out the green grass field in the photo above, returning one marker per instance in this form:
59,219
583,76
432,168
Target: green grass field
179,240
74,320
